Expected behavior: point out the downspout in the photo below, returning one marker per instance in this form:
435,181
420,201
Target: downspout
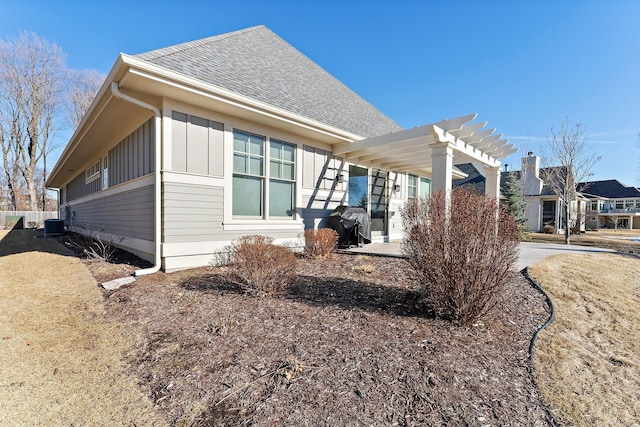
157,186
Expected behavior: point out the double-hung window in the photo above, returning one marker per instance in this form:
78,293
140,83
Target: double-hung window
419,187
413,187
248,174
105,172
263,182
281,178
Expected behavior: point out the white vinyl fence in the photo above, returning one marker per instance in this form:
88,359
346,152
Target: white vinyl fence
32,219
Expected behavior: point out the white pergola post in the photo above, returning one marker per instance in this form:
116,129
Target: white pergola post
442,168
492,182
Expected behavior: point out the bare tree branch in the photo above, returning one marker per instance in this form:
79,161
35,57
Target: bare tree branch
83,87
568,161
32,77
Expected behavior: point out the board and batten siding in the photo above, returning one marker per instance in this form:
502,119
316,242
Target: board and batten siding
197,145
321,191
128,214
79,188
132,158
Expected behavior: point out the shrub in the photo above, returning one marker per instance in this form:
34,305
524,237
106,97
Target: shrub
549,229
261,265
462,260
321,242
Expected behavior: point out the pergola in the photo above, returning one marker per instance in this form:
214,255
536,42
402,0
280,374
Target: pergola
433,150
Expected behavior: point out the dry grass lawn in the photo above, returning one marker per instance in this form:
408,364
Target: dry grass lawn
617,240
588,360
61,362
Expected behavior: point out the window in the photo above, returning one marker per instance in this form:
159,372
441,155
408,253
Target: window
619,204
629,204
594,206
281,178
93,172
425,187
105,172
250,185
419,187
413,187
248,174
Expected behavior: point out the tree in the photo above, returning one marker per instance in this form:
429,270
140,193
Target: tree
514,201
568,161
83,87
32,80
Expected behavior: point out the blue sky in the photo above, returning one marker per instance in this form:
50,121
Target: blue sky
523,66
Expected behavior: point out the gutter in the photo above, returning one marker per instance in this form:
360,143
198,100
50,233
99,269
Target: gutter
157,186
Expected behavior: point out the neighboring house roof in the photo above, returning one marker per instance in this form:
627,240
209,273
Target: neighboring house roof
610,189
474,180
255,62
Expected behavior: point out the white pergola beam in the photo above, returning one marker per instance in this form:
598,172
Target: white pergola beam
456,123
382,140
467,130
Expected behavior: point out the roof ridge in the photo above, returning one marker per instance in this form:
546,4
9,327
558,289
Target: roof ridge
181,47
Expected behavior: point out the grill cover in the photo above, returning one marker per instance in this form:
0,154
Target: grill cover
352,225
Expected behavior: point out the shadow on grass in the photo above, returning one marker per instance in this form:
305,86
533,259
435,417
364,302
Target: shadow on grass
28,240
327,291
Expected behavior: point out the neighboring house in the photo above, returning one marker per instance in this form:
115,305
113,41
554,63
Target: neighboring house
544,206
473,179
189,147
612,204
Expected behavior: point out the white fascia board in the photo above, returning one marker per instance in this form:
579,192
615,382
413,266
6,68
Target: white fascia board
191,84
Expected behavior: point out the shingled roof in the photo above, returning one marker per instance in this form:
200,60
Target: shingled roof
255,62
610,189
474,180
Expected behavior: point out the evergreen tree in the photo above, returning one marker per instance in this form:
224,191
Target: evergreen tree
514,200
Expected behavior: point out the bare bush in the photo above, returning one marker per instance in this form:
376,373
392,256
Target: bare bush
95,247
261,265
320,243
464,259
549,229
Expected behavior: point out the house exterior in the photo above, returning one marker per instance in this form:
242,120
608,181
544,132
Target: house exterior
543,206
189,147
611,204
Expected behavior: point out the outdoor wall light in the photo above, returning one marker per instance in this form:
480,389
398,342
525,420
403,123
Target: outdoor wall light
396,188
339,178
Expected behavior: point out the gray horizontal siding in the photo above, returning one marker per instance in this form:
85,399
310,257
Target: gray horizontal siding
129,214
194,213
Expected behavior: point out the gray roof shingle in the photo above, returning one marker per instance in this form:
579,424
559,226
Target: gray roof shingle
255,62
611,189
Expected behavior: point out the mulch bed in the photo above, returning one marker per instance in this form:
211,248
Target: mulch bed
348,344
